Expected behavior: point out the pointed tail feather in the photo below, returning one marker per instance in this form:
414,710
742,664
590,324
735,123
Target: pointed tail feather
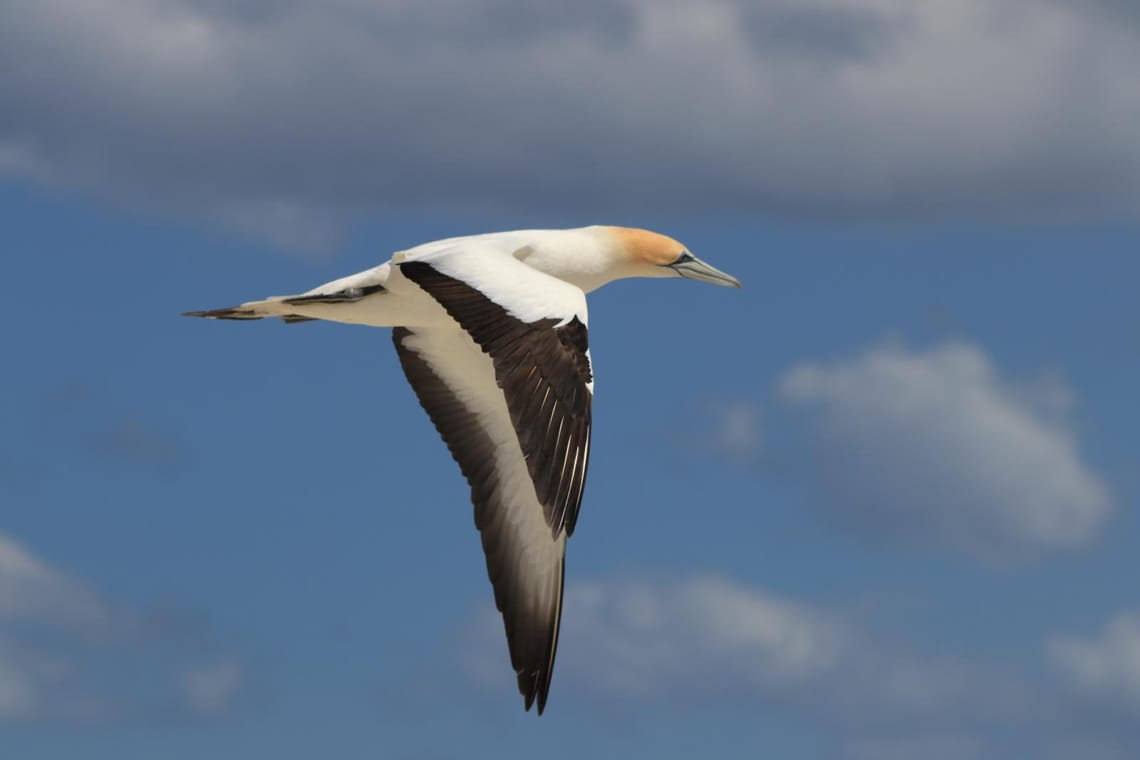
234,312
271,307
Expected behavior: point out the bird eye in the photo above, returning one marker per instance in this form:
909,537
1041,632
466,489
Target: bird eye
685,257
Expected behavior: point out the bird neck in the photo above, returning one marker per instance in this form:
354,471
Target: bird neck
587,257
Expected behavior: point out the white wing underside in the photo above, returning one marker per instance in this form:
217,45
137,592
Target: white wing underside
524,561
463,367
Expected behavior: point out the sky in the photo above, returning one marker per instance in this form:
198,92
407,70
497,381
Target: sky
880,503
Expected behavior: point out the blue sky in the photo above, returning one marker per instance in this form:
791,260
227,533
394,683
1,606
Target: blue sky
880,503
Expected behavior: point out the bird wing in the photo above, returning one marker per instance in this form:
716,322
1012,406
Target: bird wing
533,327
511,399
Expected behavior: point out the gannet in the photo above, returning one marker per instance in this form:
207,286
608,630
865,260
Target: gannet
491,332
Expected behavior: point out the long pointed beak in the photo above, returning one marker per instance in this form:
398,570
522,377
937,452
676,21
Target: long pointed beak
695,269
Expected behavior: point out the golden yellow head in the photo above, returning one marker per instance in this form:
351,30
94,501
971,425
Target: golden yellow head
651,254
646,246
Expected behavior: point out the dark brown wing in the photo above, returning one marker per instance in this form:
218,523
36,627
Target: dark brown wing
544,372
455,384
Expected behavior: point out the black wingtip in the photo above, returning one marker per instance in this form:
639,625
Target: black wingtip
534,688
231,313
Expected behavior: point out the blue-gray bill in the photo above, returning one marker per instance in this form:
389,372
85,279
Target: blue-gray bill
695,269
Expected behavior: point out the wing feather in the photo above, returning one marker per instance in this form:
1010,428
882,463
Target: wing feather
454,382
546,359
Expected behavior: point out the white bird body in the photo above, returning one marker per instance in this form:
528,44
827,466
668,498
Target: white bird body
491,332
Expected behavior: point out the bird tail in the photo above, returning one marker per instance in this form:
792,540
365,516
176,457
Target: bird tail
348,299
275,306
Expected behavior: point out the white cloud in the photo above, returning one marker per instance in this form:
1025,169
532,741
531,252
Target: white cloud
709,639
636,638
67,656
39,684
1105,668
934,449
285,116
32,592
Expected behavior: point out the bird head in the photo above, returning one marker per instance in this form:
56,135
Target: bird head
651,254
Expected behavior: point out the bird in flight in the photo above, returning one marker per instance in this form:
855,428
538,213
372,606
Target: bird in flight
491,332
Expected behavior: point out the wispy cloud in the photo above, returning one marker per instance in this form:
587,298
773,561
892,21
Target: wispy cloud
1105,668
22,681
31,592
935,449
725,428
68,655
285,118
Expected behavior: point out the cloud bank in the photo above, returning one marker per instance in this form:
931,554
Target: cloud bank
284,118
709,640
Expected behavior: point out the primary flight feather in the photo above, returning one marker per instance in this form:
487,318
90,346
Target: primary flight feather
491,332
